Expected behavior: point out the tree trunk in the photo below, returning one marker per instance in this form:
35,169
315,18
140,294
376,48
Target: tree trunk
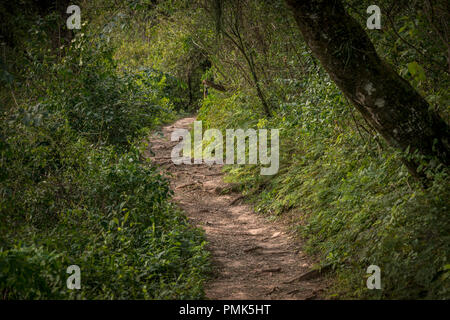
387,101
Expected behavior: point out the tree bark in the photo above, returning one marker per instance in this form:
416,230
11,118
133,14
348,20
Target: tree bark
387,101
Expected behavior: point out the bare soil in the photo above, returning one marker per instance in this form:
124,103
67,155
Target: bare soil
253,258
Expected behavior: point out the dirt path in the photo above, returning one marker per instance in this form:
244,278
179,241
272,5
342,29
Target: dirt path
252,257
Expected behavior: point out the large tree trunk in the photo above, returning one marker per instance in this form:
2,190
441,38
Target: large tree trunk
387,101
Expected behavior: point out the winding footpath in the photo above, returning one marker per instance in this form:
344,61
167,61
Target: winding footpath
253,258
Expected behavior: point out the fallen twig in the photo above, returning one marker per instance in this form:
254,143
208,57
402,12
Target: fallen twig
236,200
186,185
252,249
312,274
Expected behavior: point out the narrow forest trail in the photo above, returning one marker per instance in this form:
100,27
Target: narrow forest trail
252,257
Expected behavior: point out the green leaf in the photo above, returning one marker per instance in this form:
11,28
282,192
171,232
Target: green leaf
413,68
416,71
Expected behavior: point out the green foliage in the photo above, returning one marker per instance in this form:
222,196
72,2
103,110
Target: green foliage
163,45
346,190
353,200
75,186
117,225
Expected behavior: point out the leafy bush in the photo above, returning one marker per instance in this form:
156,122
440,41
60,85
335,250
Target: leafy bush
75,186
118,226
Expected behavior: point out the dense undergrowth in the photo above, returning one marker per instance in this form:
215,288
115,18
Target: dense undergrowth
343,187
75,187
355,203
